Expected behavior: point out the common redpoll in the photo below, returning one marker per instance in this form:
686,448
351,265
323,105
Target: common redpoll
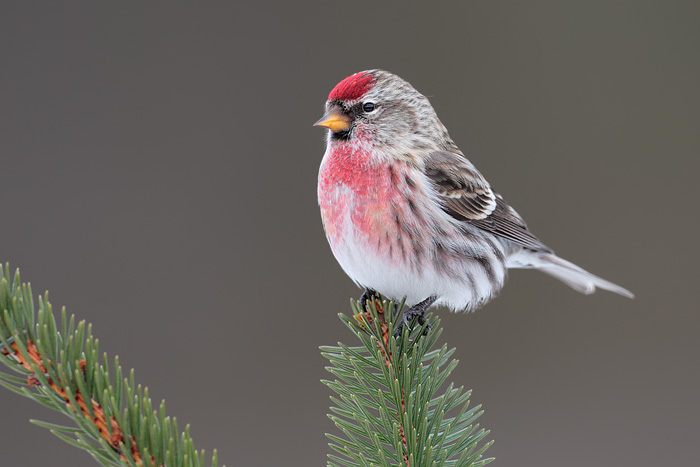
407,215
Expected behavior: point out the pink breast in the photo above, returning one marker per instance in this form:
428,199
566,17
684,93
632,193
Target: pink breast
355,188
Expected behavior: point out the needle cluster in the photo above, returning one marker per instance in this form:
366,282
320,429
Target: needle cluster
60,368
393,405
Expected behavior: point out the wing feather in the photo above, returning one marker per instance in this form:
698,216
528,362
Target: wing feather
467,196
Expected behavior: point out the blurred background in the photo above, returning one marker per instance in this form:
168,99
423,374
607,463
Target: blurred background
158,175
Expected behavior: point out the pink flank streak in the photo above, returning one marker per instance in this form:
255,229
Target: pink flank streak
352,188
353,87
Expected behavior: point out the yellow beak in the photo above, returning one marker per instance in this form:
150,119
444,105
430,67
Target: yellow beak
335,121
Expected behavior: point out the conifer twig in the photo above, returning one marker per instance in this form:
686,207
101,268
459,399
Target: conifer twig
390,408
115,420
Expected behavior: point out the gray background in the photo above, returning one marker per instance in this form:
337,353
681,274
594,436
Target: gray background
158,175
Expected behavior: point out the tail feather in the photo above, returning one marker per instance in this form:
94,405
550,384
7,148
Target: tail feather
567,272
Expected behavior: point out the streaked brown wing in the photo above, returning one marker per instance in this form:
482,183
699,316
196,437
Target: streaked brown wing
467,196
464,192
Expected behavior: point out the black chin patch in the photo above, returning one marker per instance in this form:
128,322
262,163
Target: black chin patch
341,135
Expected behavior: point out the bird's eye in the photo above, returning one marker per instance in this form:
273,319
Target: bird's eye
369,107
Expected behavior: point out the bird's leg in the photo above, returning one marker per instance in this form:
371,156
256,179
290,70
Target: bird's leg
416,311
368,294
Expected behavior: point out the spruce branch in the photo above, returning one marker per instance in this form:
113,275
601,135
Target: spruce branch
390,407
115,421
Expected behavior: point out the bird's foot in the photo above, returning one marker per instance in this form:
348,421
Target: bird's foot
367,295
416,311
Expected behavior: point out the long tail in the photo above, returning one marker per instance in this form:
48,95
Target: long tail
567,272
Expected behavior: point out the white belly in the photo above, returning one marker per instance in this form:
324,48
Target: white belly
393,266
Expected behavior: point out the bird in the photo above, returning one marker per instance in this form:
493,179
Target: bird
408,216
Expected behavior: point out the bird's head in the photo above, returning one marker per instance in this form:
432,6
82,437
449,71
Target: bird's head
379,108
